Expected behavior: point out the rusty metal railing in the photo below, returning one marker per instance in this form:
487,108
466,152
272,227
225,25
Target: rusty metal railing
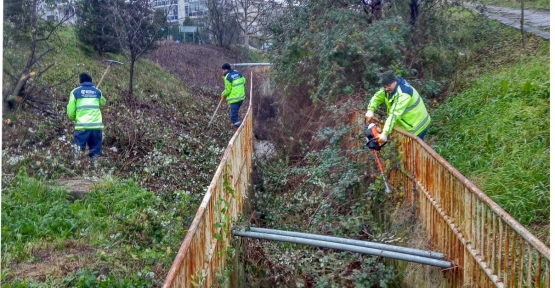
488,246
202,256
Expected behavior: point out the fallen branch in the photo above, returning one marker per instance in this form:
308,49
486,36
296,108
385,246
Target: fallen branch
19,86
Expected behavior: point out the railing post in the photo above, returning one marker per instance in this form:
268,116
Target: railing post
468,265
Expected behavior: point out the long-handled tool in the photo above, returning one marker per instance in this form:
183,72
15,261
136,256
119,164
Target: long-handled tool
387,189
110,62
214,114
371,132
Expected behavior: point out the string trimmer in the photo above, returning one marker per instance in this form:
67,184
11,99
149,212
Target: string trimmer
372,131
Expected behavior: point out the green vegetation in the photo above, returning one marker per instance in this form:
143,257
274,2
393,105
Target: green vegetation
122,234
328,59
157,161
496,133
326,193
159,156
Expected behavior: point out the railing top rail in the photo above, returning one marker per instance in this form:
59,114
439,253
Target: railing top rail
513,223
178,261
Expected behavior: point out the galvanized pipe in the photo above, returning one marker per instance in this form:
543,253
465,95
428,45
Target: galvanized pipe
399,249
345,247
252,64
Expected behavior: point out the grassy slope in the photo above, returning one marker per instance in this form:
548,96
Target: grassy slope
126,230
496,133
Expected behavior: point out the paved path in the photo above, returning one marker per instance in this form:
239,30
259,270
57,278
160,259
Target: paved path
534,21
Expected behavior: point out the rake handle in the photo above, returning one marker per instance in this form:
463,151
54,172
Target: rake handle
214,113
103,75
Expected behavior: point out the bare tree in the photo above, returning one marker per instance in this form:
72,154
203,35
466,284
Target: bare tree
522,24
251,15
27,34
221,24
137,29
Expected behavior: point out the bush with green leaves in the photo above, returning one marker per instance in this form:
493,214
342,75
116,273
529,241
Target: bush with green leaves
326,192
93,27
330,47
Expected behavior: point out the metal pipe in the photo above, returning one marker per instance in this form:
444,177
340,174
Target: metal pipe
345,247
252,64
399,249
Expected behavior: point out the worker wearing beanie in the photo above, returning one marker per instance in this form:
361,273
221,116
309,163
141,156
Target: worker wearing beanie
84,106
405,108
234,92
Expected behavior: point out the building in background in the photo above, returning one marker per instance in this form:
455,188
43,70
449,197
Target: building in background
177,11
58,10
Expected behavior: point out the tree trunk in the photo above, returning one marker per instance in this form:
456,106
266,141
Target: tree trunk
522,24
413,12
247,41
246,31
131,71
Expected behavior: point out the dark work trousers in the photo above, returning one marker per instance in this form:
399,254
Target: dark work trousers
423,133
92,138
234,113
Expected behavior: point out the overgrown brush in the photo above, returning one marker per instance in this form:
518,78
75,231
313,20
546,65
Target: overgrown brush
157,138
330,191
326,55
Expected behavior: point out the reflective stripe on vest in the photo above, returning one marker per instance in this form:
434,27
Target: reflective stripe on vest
412,106
89,124
421,124
236,97
88,107
238,84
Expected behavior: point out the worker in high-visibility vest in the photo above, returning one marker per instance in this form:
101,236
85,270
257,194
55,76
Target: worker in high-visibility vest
234,92
405,108
83,107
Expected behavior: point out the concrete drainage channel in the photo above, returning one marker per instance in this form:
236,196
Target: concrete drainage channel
364,247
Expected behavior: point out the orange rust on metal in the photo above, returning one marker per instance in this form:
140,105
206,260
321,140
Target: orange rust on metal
202,253
459,218
521,264
478,235
514,261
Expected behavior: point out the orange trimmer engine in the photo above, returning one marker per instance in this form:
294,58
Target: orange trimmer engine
372,132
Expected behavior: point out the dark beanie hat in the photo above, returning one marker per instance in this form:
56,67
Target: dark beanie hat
388,78
226,66
84,77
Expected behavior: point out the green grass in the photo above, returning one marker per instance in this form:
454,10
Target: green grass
496,133
129,229
157,161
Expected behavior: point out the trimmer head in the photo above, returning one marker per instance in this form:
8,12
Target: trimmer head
371,132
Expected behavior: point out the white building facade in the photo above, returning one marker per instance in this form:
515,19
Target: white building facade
178,10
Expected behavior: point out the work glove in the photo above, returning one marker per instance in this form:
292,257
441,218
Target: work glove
223,98
381,138
370,117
